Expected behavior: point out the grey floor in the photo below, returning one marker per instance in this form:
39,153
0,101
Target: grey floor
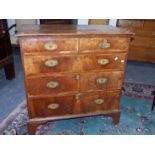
12,92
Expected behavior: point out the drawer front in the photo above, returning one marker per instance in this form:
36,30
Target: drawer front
50,64
130,23
103,61
96,102
65,63
52,84
100,101
49,45
143,42
51,106
101,81
114,44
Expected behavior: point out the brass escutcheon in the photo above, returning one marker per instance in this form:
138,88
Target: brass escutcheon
51,63
52,84
104,44
53,106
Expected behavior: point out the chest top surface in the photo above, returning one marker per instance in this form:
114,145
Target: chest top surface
67,30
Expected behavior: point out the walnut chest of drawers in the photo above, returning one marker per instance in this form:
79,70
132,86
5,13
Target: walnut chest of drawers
72,71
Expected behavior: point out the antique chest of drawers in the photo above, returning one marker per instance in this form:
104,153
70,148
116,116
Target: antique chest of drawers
72,71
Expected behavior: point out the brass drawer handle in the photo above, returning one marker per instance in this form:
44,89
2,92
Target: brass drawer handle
102,61
99,101
53,106
51,63
50,46
52,84
104,44
101,80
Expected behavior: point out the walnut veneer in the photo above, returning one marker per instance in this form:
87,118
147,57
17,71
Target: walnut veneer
73,71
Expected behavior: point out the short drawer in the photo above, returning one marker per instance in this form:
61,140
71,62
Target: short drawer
115,44
98,102
103,61
51,106
52,84
101,81
48,44
41,64
143,42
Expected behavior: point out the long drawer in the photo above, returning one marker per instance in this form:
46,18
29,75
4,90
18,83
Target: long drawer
94,102
41,64
64,83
